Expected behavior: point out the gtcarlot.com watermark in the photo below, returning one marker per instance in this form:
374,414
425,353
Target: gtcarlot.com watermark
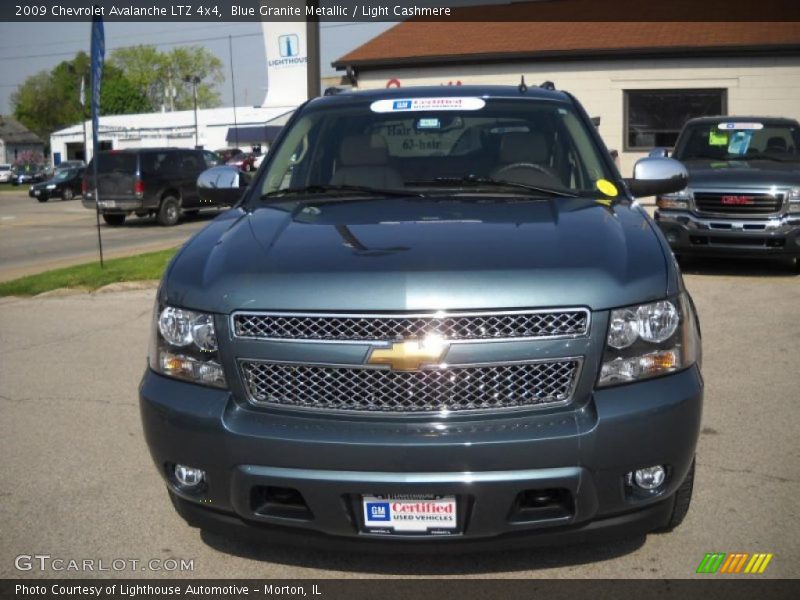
46,562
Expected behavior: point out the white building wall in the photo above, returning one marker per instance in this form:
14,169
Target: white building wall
763,86
150,130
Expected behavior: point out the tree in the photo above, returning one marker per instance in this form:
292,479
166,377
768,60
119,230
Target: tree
49,101
160,75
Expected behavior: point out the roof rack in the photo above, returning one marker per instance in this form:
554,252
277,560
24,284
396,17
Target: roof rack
548,85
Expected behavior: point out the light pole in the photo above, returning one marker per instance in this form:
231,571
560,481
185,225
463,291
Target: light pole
194,80
82,102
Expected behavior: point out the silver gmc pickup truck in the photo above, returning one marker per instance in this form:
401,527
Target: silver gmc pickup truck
743,196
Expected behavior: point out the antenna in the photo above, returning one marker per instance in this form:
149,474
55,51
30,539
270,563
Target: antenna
522,87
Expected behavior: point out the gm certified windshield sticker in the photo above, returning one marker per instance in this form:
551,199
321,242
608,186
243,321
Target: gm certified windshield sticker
608,188
419,104
740,126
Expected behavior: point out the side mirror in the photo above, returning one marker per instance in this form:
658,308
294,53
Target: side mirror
658,153
654,176
222,185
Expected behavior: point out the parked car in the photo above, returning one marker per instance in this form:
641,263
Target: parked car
160,182
225,154
436,316
212,158
5,173
743,197
28,173
65,184
244,161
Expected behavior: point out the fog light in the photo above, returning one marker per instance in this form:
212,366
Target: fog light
650,478
189,476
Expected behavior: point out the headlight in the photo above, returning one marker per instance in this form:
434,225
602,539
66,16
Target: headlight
677,201
650,340
794,200
184,346
51,186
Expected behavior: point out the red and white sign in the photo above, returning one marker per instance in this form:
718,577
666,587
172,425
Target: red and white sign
410,513
737,200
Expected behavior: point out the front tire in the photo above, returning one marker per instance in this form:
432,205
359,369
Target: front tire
42,198
67,195
169,212
681,501
114,220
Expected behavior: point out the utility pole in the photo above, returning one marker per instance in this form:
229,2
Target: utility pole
83,120
313,72
233,92
194,80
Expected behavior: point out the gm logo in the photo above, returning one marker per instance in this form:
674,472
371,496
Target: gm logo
401,105
378,511
289,45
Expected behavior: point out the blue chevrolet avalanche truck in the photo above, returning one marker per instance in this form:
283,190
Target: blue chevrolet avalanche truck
436,318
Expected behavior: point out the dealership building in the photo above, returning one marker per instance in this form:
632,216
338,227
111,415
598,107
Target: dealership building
242,127
643,80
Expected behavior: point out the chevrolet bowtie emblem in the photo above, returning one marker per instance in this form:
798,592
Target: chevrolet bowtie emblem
410,355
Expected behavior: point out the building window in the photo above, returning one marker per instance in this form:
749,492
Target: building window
654,118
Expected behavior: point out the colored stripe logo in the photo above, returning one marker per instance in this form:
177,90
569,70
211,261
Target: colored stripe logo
734,563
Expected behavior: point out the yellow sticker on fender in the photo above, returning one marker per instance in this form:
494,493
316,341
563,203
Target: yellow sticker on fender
608,188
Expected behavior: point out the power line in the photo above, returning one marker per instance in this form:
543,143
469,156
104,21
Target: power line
176,43
126,35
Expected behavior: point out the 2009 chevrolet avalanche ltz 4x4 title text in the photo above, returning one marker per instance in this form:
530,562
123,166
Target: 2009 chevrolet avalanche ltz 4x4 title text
435,317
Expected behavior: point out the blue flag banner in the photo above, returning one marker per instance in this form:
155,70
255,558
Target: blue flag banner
98,55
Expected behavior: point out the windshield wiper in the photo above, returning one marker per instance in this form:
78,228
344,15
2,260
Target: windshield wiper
336,189
489,182
760,156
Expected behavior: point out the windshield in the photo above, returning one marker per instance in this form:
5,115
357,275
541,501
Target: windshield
66,174
117,162
470,144
740,141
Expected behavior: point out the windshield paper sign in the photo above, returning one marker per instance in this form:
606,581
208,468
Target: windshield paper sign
426,104
740,142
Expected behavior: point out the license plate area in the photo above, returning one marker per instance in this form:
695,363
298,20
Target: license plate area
411,514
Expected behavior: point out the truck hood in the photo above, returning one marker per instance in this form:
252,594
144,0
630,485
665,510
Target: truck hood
421,254
742,174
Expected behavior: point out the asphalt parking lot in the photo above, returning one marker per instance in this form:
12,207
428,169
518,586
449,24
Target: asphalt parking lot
77,481
37,236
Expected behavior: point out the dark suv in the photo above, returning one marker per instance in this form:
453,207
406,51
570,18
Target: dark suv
743,197
436,316
145,182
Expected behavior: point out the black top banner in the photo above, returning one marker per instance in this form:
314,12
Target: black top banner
228,11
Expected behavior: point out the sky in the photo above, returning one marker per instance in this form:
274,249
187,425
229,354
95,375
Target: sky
27,48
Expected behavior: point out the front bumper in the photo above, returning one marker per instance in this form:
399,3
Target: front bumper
486,463
689,234
114,205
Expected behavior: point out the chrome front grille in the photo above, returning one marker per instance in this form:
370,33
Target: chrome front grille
738,203
435,390
389,327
